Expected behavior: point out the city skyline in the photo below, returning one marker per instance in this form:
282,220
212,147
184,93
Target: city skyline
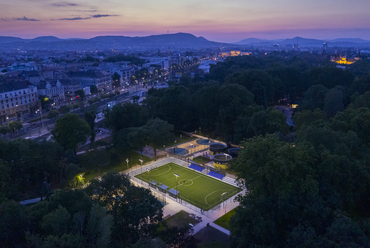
214,20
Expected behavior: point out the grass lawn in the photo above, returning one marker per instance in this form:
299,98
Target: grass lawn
196,188
224,221
201,160
133,160
212,238
184,138
181,219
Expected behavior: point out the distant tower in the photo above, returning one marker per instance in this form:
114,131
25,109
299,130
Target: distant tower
325,45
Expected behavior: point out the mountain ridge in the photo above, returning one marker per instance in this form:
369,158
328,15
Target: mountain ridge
178,40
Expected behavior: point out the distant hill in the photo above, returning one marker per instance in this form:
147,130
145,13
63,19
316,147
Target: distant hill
7,39
351,40
258,41
304,42
179,40
46,39
163,41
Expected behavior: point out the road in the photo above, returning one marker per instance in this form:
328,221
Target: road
36,129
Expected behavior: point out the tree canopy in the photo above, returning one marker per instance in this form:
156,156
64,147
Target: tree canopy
70,130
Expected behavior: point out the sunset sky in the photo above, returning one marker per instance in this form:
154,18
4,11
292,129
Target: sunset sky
218,20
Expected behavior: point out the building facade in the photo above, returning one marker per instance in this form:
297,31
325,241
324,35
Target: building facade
17,99
53,90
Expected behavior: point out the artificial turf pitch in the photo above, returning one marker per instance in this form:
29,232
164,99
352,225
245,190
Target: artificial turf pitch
195,188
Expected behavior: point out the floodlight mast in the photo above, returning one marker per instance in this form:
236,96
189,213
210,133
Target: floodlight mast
176,175
224,203
141,161
148,176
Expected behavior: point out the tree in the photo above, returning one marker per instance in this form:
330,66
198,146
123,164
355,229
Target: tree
90,117
56,222
315,96
45,101
15,222
259,93
309,117
138,213
149,243
65,241
133,139
333,102
233,100
5,186
70,131
5,129
64,109
165,104
106,189
247,78
159,133
15,125
116,79
95,159
80,94
185,80
99,227
93,89
53,114
363,100
135,211
125,116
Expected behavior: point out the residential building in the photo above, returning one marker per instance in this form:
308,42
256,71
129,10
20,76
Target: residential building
52,89
70,86
16,99
101,79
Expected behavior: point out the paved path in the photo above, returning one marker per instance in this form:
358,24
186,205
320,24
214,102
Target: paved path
174,207
30,201
148,151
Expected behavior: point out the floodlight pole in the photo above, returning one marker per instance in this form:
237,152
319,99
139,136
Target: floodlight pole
127,162
148,177
141,161
223,200
176,175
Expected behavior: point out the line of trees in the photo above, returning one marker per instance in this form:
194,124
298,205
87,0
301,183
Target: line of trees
108,213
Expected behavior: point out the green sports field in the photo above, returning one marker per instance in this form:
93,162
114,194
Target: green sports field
198,189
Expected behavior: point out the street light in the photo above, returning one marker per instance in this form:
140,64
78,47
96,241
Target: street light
127,162
141,161
176,175
222,198
148,176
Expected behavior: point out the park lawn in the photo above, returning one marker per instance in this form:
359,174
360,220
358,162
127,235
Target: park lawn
194,187
201,160
184,139
121,166
224,220
181,219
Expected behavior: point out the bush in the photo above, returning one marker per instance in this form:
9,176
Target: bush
64,109
53,114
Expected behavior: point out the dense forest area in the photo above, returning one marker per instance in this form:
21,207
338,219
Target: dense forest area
308,185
